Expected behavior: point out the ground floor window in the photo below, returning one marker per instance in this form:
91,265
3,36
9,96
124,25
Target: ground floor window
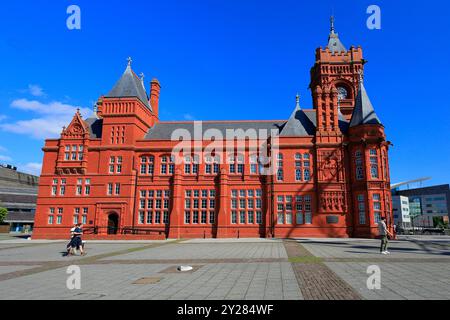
294,209
377,207
308,218
233,217
361,209
154,207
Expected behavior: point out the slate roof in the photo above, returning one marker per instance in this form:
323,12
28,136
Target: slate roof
95,126
164,130
129,85
301,124
363,113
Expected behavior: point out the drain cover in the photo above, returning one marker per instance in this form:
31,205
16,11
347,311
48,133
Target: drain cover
149,280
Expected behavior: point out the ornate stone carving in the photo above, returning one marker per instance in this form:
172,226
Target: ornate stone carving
332,201
330,166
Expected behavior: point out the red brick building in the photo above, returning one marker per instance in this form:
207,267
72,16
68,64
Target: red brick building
116,171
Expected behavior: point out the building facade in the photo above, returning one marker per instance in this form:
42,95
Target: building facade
401,212
429,206
324,172
18,194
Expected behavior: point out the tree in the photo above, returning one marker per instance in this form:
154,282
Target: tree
3,214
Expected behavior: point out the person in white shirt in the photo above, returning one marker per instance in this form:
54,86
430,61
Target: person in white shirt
384,233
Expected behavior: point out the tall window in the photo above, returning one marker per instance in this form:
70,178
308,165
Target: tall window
237,163
62,190
55,187
115,164
377,207
280,172
362,209
253,164
191,164
302,167
240,163
154,206
249,203
216,164
200,199
167,165
303,209
147,165
110,189
373,164
359,165
232,161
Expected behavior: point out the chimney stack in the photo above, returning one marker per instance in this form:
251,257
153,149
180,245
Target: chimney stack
154,95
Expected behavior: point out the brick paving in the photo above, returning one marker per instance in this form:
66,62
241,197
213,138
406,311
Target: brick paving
228,269
256,270
316,280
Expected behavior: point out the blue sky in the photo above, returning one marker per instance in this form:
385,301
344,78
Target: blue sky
224,59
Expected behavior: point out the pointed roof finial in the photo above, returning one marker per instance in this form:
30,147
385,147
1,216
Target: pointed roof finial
129,61
332,23
297,100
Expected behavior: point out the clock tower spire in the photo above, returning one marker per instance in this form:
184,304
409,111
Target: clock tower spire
337,67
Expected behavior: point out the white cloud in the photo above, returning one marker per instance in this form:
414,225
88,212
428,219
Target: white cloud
54,116
5,158
31,168
36,90
188,116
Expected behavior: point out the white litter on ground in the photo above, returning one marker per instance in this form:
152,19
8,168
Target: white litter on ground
185,268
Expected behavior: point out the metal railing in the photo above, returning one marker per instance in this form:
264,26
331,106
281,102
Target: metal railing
124,231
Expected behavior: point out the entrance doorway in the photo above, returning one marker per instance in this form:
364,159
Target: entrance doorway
113,223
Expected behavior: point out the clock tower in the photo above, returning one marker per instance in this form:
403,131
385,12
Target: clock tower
336,68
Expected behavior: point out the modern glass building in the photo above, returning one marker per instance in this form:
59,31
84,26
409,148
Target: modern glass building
429,206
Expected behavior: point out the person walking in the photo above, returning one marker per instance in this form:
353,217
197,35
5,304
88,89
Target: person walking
384,233
77,243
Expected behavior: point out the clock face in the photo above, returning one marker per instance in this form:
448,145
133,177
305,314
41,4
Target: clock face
342,93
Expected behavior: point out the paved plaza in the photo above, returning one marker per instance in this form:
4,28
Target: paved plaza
228,269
